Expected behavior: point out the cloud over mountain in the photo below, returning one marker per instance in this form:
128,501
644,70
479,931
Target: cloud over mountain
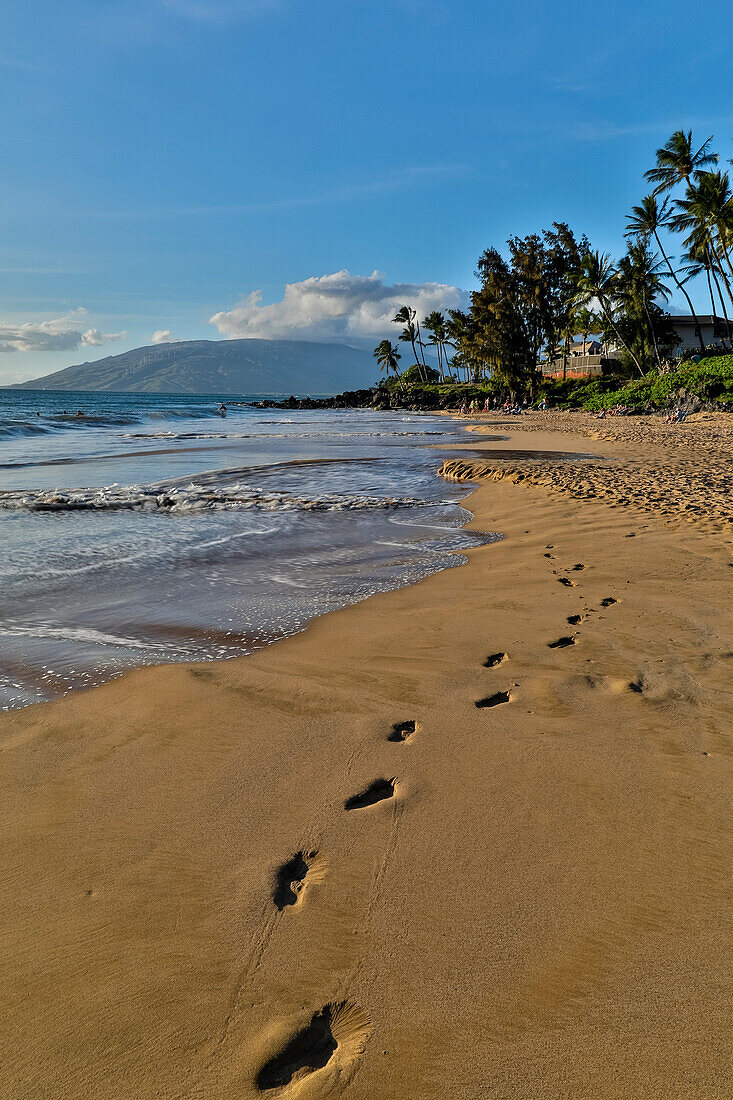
57,334
339,306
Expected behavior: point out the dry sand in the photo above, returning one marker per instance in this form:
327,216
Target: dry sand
539,904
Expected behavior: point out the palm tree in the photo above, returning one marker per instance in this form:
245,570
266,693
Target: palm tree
707,212
645,221
677,161
698,261
638,285
387,357
585,322
435,324
406,316
598,283
459,332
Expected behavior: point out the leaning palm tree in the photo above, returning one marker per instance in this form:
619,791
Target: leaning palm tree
638,285
645,221
387,357
597,284
699,260
698,263
406,316
708,207
705,213
435,325
678,160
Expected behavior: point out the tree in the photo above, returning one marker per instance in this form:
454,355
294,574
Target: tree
598,283
585,322
387,357
677,161
562,265
705,213
496,334
406,316
645,221
435,325
638,286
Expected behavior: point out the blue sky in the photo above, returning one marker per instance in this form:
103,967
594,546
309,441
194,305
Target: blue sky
166,159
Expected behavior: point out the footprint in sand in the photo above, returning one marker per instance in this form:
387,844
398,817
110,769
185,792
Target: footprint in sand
402,731
575,620
637,686
290,878
578,566
494,700
375,792
561,643
334,1039
566,581
496,659
609,601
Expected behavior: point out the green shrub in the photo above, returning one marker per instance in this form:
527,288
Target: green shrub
711,380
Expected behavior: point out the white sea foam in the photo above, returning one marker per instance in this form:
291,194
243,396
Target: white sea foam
191,498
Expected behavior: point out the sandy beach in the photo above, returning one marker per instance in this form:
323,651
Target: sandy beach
471,838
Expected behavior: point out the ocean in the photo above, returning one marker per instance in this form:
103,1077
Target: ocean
145,528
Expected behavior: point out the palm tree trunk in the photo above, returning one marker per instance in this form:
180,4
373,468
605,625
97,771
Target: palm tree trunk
653,335
417,362
722,306
619,337
724,250
713,304
422,347
721,272
679,285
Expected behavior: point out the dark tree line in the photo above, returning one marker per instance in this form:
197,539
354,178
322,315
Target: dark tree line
547,288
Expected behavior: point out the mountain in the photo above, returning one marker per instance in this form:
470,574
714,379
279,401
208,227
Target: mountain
221,366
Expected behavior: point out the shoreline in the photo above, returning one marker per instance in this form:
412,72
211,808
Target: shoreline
537,910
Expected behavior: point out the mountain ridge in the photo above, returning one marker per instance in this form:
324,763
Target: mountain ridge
219,366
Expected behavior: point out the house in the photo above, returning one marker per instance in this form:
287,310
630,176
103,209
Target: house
712,329
579,366
585,359
590,347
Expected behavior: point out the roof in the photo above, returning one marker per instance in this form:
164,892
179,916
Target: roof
702,319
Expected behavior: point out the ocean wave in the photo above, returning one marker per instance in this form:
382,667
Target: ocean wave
19,428
78,634
63,421
190,499
271,435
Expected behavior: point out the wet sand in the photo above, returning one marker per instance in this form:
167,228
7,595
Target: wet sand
471,838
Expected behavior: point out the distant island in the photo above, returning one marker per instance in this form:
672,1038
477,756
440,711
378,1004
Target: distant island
220,366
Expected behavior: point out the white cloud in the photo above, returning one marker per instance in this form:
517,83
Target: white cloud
339,306
93,338
163,336
58,334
